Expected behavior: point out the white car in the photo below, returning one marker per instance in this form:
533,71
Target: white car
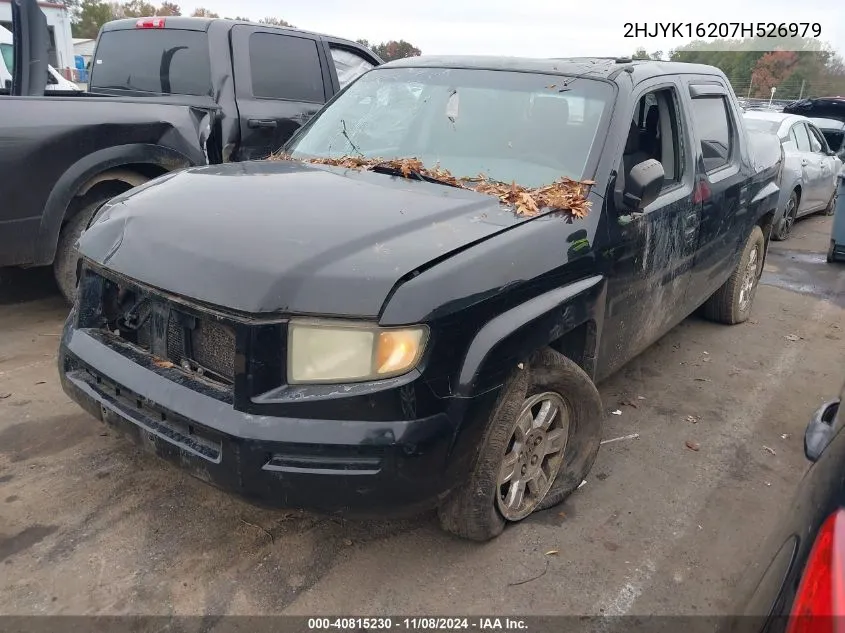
55,81
808,183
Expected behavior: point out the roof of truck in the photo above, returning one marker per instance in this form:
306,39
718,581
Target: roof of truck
203,24
599,67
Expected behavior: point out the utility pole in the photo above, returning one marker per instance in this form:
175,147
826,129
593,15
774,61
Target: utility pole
801,96
772,96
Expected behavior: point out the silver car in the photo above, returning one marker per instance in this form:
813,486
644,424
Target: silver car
808,183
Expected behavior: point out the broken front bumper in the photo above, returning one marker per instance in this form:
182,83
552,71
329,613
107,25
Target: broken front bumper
362,467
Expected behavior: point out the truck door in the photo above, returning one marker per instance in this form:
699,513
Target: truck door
282,79
652,252
722,185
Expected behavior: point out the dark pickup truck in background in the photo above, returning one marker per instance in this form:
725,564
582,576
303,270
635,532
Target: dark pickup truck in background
378,340
164,93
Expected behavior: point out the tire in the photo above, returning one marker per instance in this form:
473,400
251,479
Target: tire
732,303
784,228
474,510
64,264
831,206
831,252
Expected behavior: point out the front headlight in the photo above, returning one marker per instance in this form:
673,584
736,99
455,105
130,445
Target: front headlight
334,351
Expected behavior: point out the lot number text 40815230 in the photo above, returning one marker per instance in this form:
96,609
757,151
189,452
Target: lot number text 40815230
419,624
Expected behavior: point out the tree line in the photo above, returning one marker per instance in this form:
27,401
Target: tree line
816,70
87,16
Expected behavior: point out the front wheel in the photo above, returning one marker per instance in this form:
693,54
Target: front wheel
541,441
64,264
732,302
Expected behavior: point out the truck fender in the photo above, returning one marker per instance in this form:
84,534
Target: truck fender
518,332
131,178
83,175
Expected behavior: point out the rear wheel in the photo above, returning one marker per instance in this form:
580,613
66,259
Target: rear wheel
732,302
540,443
64,265
788,221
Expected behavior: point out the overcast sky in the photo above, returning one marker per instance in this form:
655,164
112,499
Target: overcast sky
532,28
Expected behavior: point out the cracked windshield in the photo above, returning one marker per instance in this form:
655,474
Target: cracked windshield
507,126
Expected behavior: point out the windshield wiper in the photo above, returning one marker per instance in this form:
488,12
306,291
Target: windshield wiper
413,174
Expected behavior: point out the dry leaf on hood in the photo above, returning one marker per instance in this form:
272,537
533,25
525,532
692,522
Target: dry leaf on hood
564,195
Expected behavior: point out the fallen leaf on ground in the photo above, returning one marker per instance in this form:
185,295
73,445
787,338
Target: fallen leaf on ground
41,382
3,396
784,436
702,379
562,515
629,403
551,552
347,541
617,412
792,337
693,446
640,397
768,449
692,418
164,364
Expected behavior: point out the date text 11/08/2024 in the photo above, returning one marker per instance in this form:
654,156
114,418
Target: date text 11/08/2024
723,29
418,623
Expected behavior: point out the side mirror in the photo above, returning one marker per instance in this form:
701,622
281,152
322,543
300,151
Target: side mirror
643,184
820,430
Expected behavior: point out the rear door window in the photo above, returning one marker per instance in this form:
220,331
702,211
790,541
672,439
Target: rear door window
714,131
802,139
156,61
285,67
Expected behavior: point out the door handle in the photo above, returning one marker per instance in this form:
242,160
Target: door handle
262,123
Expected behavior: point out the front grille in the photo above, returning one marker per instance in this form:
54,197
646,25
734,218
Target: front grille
209,346
198,342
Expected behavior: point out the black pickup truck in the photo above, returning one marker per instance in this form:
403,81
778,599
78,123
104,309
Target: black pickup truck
164,93
381,339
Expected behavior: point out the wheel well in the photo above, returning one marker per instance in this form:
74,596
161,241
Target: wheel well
797,190
110,183
574,345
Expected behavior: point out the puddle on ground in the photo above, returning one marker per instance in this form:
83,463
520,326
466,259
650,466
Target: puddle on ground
807,273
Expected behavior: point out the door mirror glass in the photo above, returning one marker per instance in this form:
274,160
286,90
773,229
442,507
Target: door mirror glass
643,184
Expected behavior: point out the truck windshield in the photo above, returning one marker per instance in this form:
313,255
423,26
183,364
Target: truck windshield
509,126
152,61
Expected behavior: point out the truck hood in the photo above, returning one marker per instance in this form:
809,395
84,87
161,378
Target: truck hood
287,237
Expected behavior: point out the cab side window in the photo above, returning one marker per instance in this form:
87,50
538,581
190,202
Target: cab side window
817,141
285,67
714,129
656,134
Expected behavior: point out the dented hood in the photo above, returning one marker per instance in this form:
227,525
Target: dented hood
287,237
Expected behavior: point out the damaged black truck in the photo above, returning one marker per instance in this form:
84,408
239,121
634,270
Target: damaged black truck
165,93
364,326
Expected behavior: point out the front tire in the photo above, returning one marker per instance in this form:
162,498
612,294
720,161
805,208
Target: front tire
541,441
732,303
64,264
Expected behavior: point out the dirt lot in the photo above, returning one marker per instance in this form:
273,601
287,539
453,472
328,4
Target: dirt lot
91,525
